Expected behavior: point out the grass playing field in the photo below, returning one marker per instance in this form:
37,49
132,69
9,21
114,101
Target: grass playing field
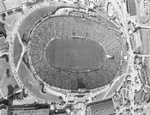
75,54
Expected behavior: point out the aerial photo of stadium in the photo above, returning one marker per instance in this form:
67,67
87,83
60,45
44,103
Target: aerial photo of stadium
74,57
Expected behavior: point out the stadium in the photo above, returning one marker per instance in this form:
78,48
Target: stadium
74,57
72,52
71,58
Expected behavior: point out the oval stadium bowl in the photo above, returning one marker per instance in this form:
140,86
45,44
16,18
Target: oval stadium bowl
56,54
72,52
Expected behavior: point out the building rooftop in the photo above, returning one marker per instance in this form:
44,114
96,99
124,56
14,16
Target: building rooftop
10,4
32,112
2,6
3,112
103,107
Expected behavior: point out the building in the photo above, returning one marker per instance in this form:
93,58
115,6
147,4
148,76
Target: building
104,107
30,109
7,5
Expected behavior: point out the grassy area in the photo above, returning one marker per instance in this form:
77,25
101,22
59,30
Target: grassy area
17,50
6,77
34,16
33,85
75,54
146,49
